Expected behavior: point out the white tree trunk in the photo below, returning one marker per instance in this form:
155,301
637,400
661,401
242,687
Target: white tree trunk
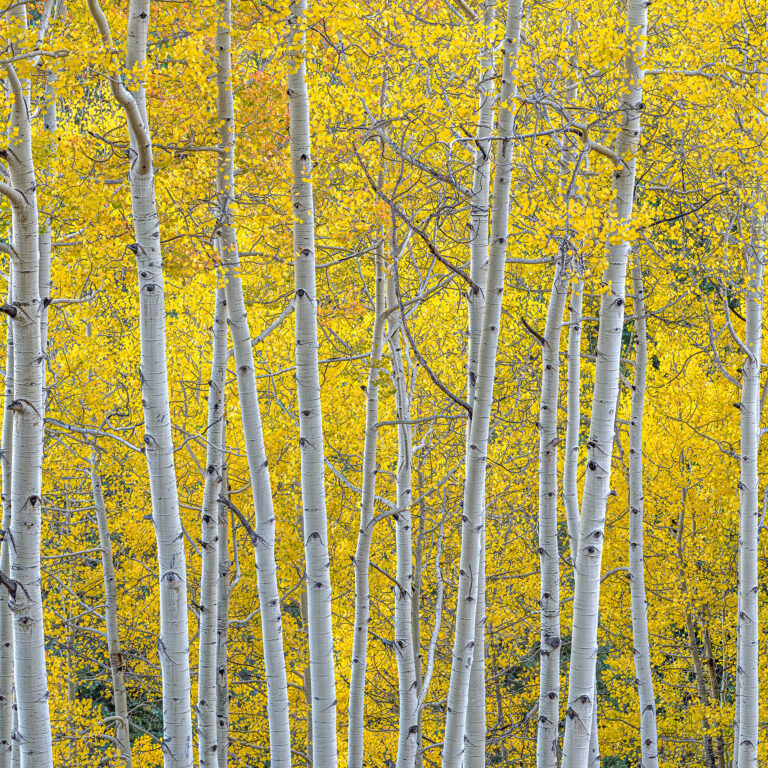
647,700
549,549
116,660
214,469
321,659
363,549
477,446
474,755
573,420
6,619
222,632
581,684
408,730
258,465
749,512
173,643
34,730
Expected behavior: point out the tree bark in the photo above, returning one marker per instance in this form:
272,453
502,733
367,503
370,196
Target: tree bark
408,730
581,684
116,660
477,445
362,556
749,521
643,675
321,658
258,464
214,463
549,550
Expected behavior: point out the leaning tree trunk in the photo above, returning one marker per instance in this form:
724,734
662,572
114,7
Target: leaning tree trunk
749,522
640,642
408,730
116,659
258,465
321,659
214,470
477,445
474,755
173,643
362,556
581,683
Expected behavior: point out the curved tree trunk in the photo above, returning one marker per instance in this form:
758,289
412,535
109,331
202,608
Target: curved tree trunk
173,643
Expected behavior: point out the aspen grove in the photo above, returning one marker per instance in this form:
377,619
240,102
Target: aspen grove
383,384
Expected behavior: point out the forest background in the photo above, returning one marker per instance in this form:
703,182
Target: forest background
489,185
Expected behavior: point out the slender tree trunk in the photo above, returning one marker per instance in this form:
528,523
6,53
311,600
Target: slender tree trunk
549,549
477,445
363,550
258,465
749,512
418,571
321,658
643,676
581,684
408,732
214,463
474,755
222,622
6,619
116,660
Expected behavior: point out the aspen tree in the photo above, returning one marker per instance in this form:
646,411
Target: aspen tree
477,445
362,555
116,658
173,643
258,465
214,462
749,511
641,646
408,730
33,731
474,754
321,658
222,620
549,549
581,683
6,618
